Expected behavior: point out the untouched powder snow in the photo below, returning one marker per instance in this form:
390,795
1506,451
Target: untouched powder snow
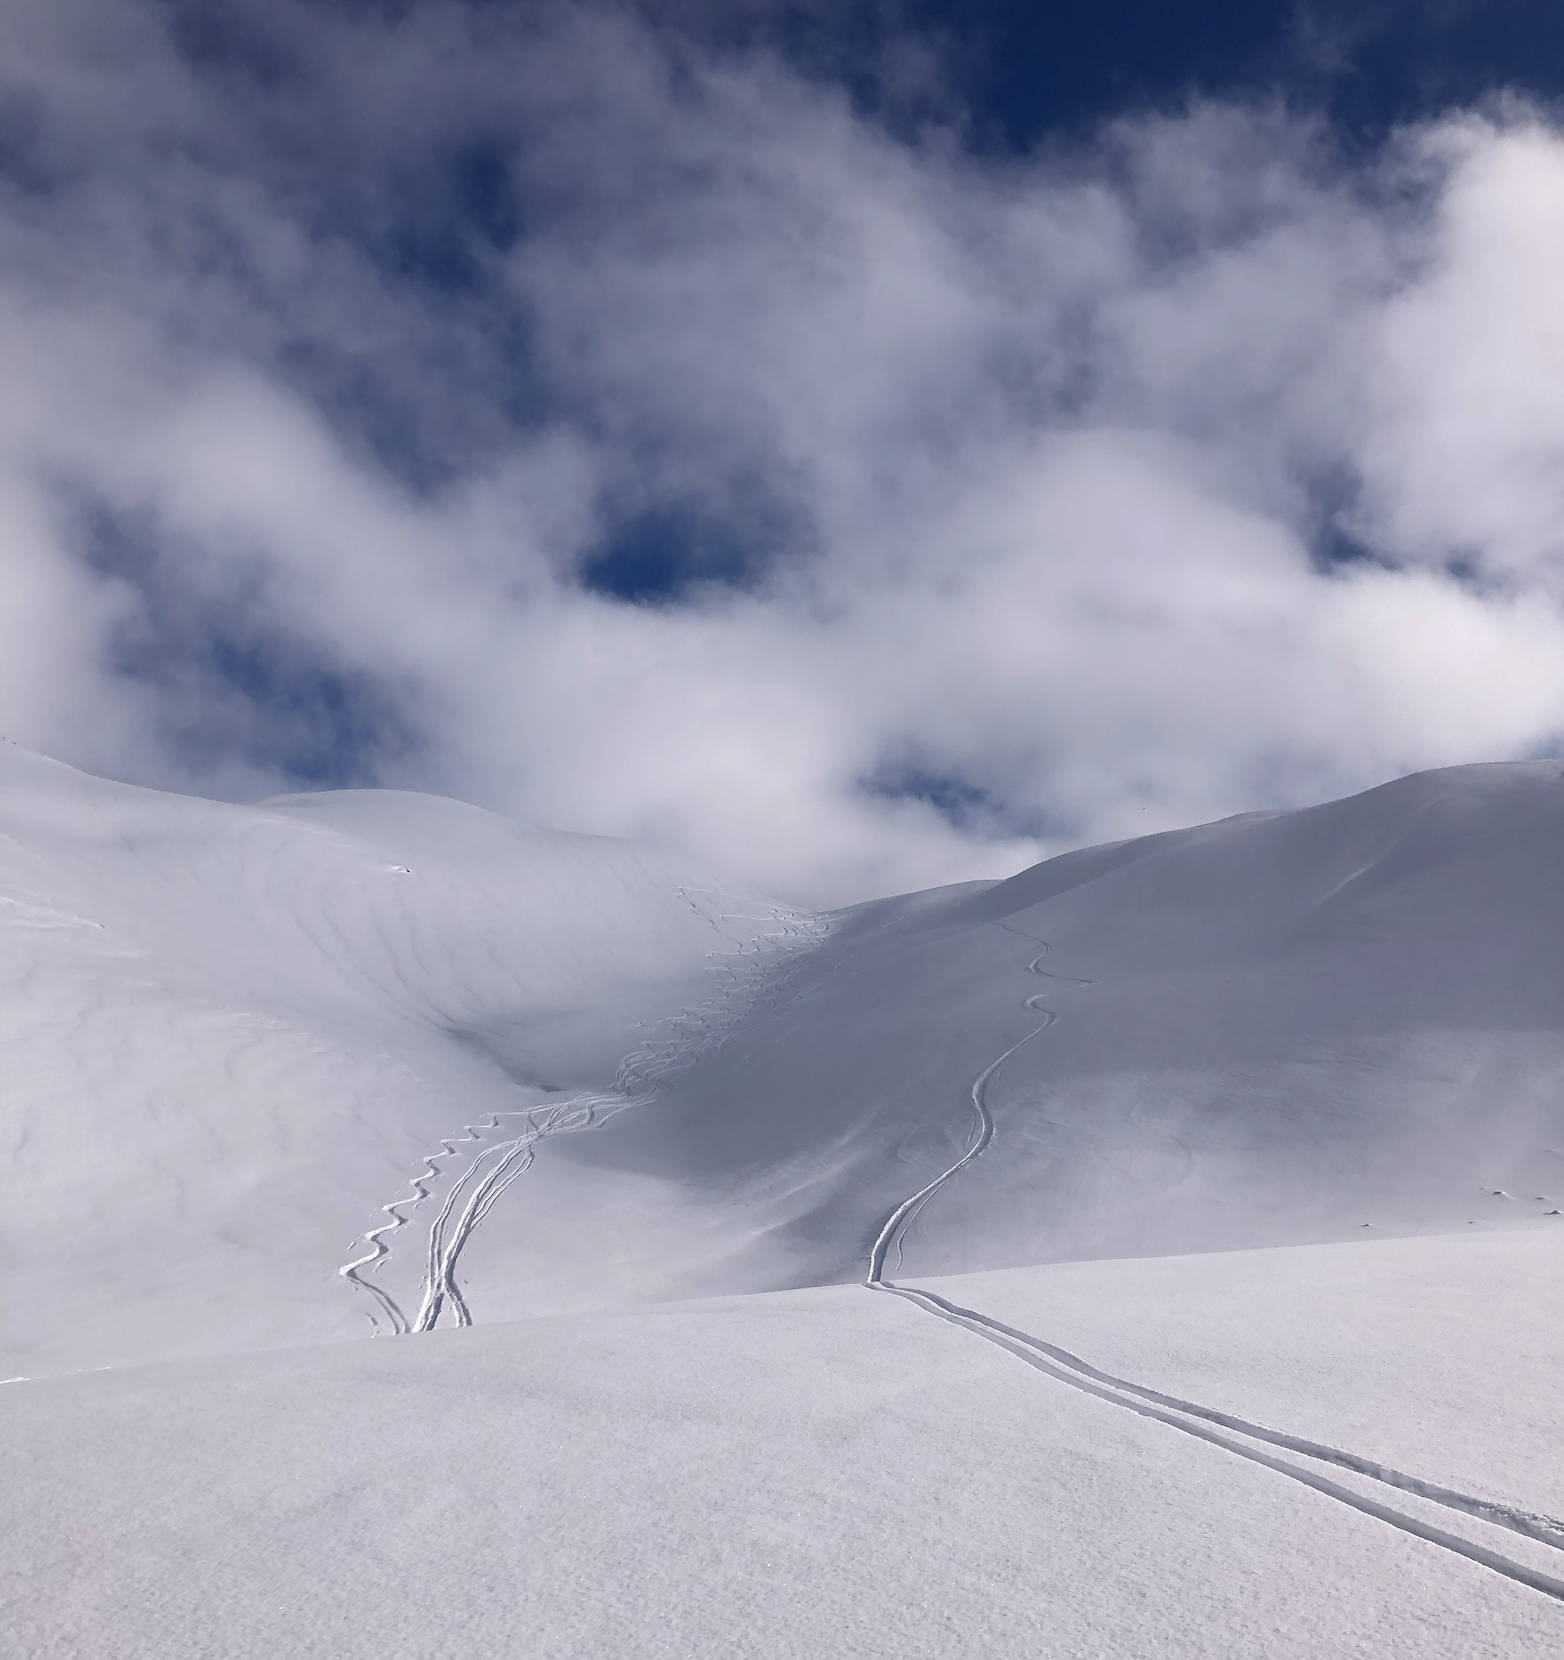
1195,1204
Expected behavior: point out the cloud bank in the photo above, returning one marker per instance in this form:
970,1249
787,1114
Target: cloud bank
528,405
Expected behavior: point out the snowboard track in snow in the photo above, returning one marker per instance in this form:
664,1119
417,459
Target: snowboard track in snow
746,980
1189,1416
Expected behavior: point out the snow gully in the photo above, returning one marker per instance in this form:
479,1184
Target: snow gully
745,976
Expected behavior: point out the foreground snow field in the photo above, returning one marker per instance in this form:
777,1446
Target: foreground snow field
1240,1151
821,1472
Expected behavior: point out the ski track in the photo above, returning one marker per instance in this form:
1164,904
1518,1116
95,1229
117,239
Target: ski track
1189,1416
671,1044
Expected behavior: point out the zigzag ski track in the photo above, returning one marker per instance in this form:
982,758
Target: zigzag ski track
744,981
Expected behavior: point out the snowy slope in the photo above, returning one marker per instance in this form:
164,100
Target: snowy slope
235,1036
822,1473
232,1034
254,1054
1277,1028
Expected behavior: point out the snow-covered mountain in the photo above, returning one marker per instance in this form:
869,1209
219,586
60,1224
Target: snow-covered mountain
232,1034
1277,1028
278,1076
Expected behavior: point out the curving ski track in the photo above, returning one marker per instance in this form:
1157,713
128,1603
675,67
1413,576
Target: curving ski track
670,1046
1189,1416
353,1272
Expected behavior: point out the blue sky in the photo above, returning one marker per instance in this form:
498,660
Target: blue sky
869,446
1021,73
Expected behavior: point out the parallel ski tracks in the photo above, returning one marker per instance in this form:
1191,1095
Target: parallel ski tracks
1242,1438
744,982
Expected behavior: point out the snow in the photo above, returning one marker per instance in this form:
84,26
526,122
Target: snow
1206,1187
1271,1030
808,1472
234,1033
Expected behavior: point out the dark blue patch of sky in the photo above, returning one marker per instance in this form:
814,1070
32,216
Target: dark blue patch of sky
250,692
955,799
1028,71
661,552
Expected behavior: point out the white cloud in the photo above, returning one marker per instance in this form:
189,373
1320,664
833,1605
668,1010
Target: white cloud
1043,464
1464,447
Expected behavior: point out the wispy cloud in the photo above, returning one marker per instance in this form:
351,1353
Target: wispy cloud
633,437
